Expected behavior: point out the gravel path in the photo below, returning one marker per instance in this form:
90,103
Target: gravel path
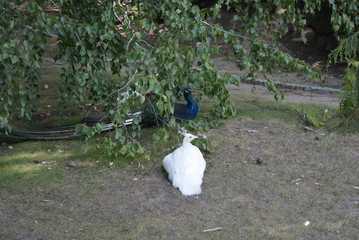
297,88
289,95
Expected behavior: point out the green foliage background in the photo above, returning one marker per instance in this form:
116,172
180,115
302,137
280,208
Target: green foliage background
150,48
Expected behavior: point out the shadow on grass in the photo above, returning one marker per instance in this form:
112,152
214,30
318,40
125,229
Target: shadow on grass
29,162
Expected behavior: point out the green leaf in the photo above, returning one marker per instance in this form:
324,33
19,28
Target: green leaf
142,99
89,30
155,138
136,120
14,59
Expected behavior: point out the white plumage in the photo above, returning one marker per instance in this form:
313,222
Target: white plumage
185,167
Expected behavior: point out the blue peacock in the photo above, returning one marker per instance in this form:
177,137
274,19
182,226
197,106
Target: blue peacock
182,112
186,112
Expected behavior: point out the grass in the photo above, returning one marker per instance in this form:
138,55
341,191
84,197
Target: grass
348,124
301,179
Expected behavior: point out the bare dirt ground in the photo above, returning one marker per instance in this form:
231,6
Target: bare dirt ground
306,187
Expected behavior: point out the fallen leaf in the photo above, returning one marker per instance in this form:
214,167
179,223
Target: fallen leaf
281,11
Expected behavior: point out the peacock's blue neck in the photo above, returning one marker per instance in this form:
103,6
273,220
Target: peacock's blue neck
192,105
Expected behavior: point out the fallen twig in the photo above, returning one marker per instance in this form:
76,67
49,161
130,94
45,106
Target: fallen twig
313,130
213,229
309,129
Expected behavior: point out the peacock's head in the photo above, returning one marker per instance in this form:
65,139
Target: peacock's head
188,138
187,90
